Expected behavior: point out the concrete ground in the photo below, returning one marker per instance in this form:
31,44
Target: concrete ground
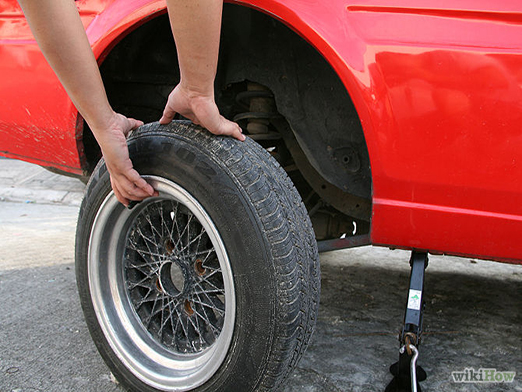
473,318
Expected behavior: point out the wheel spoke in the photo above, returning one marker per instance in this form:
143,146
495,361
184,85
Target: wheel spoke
145,299
205,279
209,321
168,239
140,283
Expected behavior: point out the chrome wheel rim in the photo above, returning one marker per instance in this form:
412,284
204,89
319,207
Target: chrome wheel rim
162,288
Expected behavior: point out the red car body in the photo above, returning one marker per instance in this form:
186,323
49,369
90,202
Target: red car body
437,86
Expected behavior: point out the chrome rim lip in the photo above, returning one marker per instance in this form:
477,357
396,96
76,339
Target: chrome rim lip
150,362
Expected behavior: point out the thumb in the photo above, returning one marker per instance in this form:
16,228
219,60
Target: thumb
130,125
135,123
168,116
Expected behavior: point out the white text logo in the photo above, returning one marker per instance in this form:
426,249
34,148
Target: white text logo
482,376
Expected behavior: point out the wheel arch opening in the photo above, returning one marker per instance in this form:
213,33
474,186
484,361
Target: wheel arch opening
321,128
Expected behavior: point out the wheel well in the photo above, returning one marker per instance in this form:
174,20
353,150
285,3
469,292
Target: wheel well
321,142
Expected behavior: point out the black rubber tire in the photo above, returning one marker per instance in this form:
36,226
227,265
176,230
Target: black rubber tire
266,232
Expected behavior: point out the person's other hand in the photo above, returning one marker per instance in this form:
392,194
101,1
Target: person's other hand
125,180
201,110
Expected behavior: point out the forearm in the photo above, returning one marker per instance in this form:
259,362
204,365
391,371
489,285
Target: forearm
59,32
196,26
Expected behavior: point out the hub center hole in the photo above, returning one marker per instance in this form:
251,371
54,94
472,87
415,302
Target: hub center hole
172,279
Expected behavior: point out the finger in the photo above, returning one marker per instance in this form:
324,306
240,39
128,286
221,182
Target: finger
233,129
123,200
238,134
219,125
130,191
136,194
168,116
146,188
135,123
139,182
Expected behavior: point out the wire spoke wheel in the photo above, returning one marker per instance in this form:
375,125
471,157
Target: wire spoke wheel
211,286
164,294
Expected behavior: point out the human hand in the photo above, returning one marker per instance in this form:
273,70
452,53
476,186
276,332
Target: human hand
201,110
125,180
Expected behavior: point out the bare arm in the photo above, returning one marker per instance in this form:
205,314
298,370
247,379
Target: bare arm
59,32
196,26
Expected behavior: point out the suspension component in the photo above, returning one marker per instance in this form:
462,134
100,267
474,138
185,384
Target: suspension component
259,102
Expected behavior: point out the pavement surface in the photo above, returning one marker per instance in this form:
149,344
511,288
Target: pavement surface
473,319
27,183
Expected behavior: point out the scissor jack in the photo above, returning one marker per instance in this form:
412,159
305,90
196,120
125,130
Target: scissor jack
407,374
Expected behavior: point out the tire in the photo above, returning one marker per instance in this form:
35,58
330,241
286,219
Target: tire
211,286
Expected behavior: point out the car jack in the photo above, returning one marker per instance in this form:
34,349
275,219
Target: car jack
407,374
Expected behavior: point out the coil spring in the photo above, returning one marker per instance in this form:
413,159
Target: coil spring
244,99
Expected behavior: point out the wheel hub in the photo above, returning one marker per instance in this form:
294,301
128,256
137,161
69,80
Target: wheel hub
173,279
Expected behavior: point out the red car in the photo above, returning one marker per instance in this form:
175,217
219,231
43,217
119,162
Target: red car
370,122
